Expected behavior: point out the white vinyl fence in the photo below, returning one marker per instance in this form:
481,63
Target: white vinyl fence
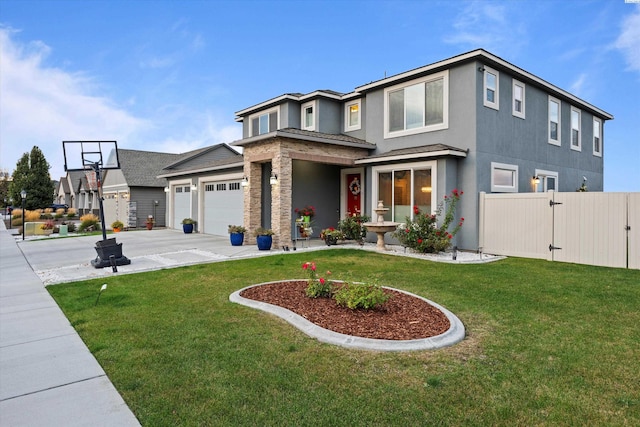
585,228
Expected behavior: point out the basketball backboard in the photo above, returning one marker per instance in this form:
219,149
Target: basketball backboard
83,155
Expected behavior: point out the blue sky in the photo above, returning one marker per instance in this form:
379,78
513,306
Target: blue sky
169,75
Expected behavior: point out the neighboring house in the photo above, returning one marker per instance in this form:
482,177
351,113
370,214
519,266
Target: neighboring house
474,122
66,190
133,193
205,185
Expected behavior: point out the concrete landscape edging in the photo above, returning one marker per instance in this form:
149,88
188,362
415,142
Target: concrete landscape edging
453,335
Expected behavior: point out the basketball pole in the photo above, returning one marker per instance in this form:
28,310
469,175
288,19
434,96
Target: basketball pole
96,168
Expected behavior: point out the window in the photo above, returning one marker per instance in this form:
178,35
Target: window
308,116
597,137
548,181
264,122
518,99
419,107
403,186
221,187
554,121
491,94
504,178
352,116
575,129
209,187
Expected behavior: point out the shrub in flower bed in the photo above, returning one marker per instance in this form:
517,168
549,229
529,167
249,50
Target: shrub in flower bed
89,222
352,227
423,234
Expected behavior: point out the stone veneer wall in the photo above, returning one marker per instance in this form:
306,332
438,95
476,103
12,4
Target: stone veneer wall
281,152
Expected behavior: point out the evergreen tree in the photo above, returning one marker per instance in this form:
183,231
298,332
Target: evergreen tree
32,175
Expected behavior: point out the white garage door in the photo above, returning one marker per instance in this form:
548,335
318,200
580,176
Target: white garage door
181,204
223,205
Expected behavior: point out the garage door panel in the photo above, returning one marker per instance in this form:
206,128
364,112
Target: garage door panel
181,204
223,205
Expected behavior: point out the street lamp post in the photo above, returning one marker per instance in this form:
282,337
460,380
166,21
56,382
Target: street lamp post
10,213
23,194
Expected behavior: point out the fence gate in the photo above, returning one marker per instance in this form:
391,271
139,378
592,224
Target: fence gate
586,228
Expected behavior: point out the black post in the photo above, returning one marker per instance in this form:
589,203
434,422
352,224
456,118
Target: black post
23,224
96,168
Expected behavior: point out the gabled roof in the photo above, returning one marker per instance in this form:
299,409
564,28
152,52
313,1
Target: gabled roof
298,97
414,153
190,155
141,168
306,135
236,161
64,184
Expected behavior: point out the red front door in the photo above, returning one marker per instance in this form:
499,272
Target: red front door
354,193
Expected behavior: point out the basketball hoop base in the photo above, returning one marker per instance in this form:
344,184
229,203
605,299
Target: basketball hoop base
106,249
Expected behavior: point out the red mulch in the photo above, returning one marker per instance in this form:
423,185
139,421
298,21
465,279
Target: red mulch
402,317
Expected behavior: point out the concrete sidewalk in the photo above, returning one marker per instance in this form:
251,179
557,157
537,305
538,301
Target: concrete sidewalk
47,374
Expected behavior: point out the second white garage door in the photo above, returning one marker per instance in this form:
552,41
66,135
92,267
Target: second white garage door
223,206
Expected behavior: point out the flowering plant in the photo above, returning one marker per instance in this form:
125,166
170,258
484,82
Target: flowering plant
423,234
333,233
306,211
317,287
47,225
352,227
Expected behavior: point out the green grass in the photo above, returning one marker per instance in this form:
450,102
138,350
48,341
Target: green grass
547,344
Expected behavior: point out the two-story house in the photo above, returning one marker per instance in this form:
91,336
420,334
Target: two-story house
474,122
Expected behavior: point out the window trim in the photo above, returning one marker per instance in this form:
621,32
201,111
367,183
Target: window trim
444,75
495,104
303,115
375,184
597,152
504,188
347,115
516,113
260,114
553,141
543,175
579,129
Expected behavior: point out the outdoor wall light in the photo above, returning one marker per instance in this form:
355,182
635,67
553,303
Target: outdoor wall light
166,189
536,179
244,182
274,179
194,187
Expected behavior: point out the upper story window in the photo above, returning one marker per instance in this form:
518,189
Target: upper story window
554,121
420,106
264,122
597,137
491,95
518,99
575,129
352,116
308,115
504,178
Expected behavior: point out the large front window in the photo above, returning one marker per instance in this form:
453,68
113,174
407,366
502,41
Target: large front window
418,107
404,187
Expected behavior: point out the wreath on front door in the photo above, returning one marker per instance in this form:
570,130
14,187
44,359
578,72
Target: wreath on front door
355,187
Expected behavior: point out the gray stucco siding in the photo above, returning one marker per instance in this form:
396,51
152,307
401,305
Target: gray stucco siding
329,116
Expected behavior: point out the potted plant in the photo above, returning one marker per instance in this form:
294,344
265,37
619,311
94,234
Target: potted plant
149,222
331,236
306,213
47,227
264,238
187,225
117,226
236,234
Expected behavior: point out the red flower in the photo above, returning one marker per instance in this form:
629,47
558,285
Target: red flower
313,266
419,241
461,219
437,233
449,236
305,265
407,230
445,197
322,281
416,210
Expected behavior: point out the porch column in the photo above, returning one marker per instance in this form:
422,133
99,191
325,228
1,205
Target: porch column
252,199
281,199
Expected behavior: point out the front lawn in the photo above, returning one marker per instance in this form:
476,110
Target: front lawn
547,344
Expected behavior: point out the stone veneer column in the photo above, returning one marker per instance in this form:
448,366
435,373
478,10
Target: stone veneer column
252,199
281,199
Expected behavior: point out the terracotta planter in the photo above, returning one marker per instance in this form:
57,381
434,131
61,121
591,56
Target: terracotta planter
116,230
149,225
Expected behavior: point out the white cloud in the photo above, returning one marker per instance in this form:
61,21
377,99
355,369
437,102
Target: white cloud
629,40
578,84
43,106
486,25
